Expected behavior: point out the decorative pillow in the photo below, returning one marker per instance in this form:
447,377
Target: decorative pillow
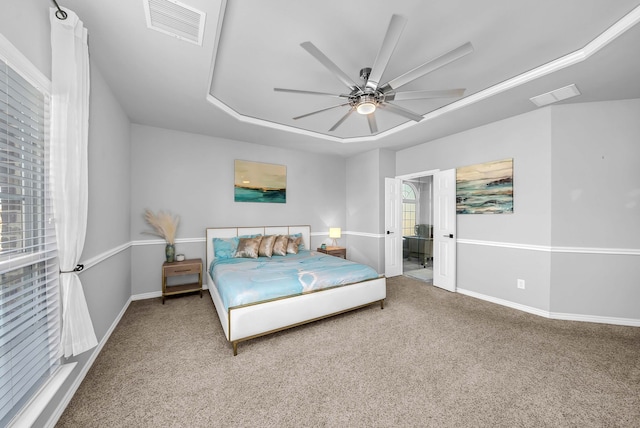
224,248
298,235
248,247
293,245
266,246
280,245
255,235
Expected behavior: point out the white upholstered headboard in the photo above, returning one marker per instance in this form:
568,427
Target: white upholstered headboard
230,232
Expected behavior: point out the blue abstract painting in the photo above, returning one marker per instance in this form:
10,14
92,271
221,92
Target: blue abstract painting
260,182
485,188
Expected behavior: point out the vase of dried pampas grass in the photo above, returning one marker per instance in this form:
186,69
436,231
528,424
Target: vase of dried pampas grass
164,225
170,253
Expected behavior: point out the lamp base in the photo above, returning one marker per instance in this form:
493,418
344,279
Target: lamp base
334,243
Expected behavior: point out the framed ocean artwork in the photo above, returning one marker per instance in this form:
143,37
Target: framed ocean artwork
485,188
260,182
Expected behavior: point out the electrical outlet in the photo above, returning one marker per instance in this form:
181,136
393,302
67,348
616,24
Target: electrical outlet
521,284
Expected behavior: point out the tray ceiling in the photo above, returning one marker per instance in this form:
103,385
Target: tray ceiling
225,87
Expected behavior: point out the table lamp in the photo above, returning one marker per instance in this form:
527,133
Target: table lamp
334,233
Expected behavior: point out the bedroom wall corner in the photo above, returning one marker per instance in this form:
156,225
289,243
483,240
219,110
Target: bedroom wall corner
365,205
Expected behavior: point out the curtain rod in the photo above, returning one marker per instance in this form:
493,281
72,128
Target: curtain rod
60,14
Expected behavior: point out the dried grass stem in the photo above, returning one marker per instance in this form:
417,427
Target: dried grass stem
164,224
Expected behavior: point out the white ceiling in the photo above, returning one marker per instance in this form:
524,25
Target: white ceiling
224,87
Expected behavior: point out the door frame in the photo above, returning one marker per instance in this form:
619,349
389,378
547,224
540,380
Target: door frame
418,174
432,173
428,173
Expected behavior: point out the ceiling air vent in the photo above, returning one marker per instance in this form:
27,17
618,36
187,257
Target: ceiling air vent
175,19
556,95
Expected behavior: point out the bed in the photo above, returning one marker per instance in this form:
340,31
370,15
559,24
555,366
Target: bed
243,319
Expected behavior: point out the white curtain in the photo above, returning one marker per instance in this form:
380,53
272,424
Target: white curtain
69,138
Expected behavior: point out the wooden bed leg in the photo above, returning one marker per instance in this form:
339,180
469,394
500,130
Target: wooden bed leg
381,304
235,348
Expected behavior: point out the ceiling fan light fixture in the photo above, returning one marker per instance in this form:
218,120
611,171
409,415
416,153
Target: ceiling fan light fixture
366,104
366,107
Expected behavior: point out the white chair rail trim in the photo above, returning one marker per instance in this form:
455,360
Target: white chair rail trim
93,261
552,249
89,263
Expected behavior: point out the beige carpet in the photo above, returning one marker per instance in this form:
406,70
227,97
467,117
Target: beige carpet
430,358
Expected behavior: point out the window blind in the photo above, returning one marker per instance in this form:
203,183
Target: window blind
29,301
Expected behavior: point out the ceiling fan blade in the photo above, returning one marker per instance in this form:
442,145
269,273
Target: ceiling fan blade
419,95
342,119
373,126
298,91
319,111
401,111
324,60
396,25
428,67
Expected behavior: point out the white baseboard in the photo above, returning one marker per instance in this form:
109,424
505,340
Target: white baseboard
596,319
154,294
552,315
149,295
85,369
507,303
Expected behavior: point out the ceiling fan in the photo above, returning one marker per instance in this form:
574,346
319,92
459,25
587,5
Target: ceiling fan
367,97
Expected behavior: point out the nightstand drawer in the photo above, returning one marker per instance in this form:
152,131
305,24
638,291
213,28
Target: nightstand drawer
183,268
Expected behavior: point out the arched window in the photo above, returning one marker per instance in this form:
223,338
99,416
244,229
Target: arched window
409,209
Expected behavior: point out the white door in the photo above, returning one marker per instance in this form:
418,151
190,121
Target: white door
393,227
444,231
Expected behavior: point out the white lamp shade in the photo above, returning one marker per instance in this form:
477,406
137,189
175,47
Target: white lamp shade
334,232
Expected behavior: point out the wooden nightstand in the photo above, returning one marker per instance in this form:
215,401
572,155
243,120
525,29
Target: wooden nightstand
186,267
334,251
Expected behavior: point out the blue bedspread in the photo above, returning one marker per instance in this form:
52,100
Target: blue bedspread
241,281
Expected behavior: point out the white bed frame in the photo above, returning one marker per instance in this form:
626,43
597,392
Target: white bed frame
250,321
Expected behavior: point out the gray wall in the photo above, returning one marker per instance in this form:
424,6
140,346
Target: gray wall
107,284
192,176
596,205
25,23
576,203
491,270
365,175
